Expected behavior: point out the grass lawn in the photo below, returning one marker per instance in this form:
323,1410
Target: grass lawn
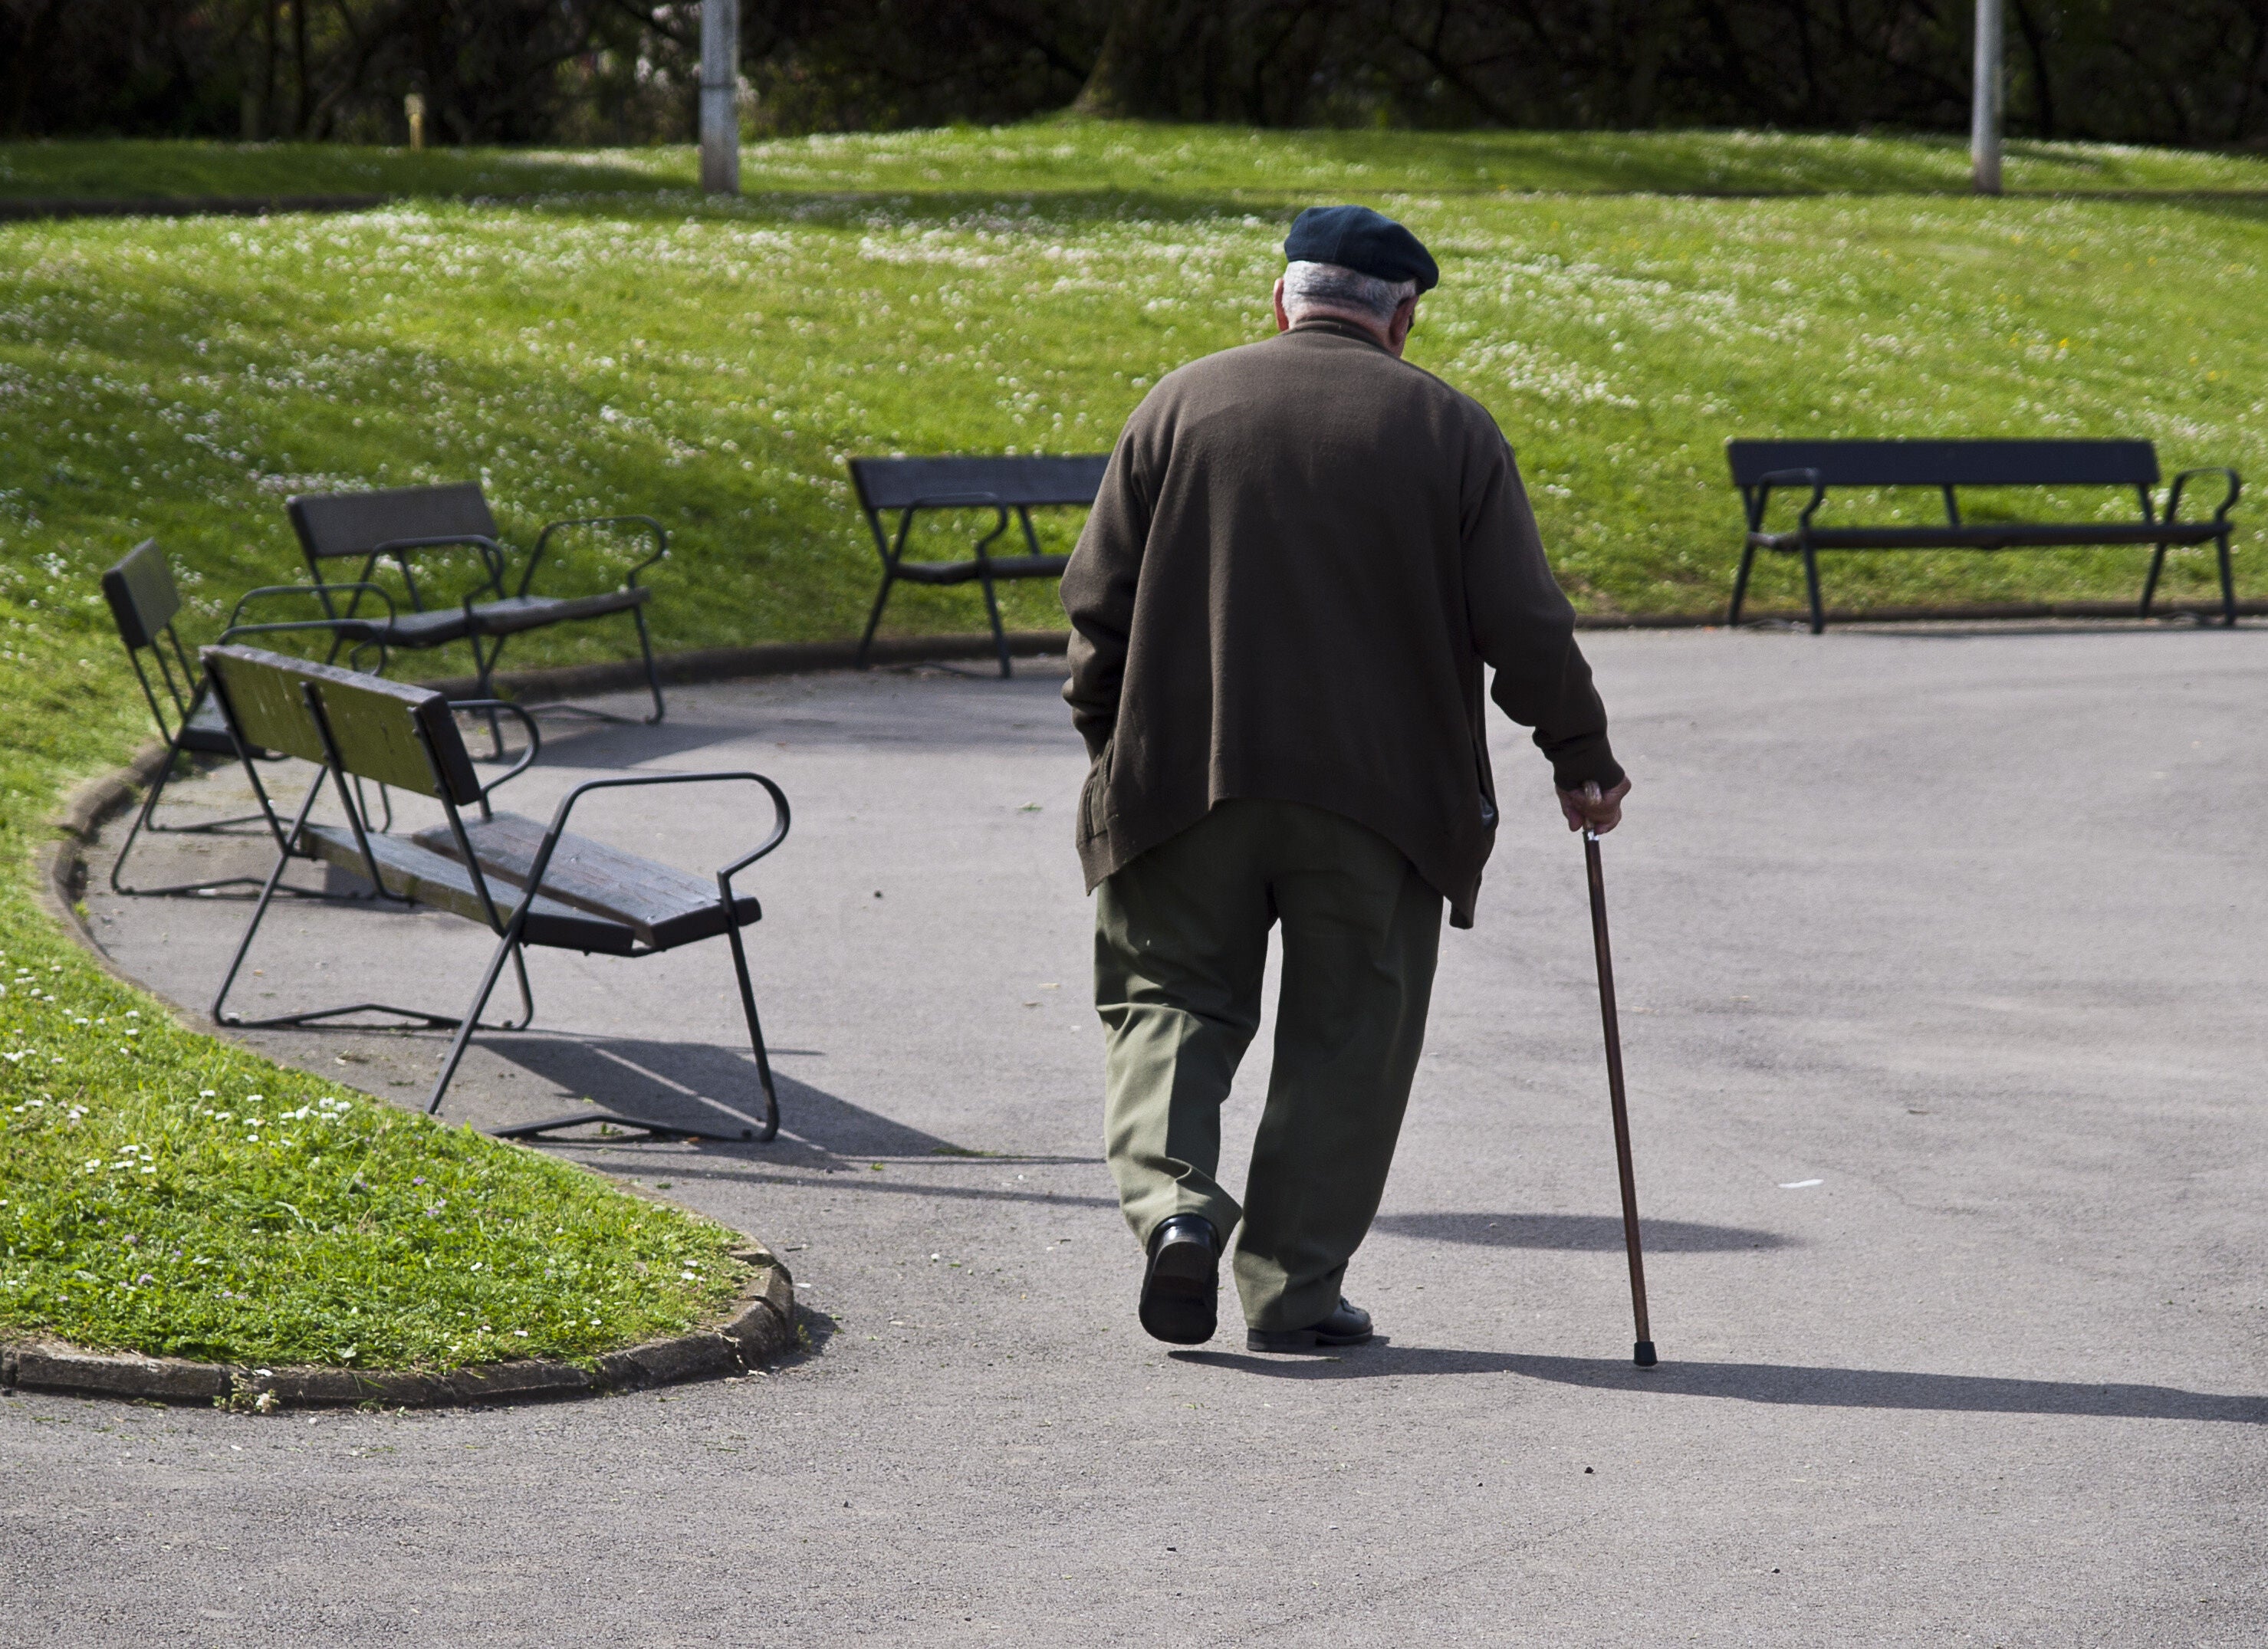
618,343
163,1192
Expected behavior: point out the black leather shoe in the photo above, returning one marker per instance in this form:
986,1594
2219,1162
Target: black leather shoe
1349,1325
1179,1289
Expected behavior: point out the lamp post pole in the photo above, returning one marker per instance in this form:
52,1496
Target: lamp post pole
1985,102
720,111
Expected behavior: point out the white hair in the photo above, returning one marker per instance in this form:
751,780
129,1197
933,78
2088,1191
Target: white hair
1332,288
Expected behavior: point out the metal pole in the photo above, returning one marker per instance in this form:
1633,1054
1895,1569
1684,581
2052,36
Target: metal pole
1642,1352
720,111
1985,102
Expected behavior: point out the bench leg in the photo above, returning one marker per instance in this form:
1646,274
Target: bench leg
1000,635
1811,586
2228,584
874,618
509,948
653,673
755,1037
144,819
484,674
1741,586
2150,580
267,898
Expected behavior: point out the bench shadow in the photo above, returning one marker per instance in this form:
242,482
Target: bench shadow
1769,1383
605,745
1576,1233
701,1085
698,1085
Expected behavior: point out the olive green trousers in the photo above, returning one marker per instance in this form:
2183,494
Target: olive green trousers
1180,941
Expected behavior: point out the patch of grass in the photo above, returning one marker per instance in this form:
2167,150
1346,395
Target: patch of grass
967,291
1069,154
163,1192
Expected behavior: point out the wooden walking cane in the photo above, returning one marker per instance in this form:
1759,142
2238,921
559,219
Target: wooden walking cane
1641,1353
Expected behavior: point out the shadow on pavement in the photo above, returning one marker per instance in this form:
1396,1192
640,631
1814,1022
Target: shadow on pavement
1588,1234
607,745
1769,1382
699,1084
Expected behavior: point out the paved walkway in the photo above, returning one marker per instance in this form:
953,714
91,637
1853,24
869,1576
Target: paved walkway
1942,959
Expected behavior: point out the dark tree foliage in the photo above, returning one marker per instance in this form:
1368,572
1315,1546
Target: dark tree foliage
490,70
2191,71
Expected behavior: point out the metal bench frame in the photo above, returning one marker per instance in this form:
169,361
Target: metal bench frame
144,602
1758,467
1018,484
356,727
333,526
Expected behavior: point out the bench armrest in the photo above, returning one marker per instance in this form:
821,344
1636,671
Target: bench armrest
320,592
955,501
527,722
660,543
2229,499
1762,497
492,556
332,625
558,827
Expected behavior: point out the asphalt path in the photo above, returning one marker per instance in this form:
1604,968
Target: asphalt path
1941,957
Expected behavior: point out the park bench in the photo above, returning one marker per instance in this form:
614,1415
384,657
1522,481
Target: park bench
1022,484
144,603
530,884
399,523
1759,466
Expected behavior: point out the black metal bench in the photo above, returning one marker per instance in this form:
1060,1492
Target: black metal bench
910,485
395,523
587,896
1758,467
144,603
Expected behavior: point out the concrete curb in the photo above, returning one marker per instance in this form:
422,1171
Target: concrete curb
742,663
760,1329
799,657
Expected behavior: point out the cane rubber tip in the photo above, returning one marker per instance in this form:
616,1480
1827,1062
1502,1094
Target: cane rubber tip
1642,1354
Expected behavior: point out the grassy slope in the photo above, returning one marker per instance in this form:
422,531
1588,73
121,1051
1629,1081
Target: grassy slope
1068,154
977,290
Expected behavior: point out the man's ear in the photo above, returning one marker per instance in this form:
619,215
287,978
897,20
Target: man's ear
1275,298
1405,316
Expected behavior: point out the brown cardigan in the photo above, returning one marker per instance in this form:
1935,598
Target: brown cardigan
1303,553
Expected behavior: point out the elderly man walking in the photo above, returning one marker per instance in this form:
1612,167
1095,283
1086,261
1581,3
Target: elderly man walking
1304,553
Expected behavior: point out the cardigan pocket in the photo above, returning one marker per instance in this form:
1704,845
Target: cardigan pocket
1094,796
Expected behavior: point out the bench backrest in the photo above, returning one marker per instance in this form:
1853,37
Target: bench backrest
142,596
1020,482
1950,463
382,730
336,524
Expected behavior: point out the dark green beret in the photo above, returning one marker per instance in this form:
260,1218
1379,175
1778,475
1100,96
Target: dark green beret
1357,238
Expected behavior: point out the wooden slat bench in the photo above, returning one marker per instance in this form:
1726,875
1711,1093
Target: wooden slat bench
1759,466
1021,484
587,897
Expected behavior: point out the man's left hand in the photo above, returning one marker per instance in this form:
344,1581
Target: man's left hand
1590,809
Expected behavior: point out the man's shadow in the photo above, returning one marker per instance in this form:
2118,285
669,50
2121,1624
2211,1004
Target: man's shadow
1767,1383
